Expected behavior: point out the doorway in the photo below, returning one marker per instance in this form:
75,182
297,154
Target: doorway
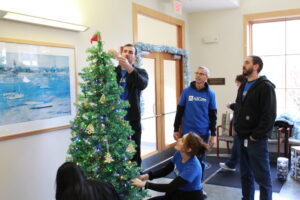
165,72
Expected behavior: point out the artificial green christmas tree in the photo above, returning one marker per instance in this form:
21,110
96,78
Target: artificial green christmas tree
100,135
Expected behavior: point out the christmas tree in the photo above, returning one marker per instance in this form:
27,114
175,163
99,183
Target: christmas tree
100,135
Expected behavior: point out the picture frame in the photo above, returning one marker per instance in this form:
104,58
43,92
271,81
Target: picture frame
38,87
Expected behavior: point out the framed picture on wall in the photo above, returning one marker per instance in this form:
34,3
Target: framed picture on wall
37,87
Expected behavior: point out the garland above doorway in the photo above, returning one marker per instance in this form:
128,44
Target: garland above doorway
167,49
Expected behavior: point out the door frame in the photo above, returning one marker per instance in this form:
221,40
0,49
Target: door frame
138,9
159,57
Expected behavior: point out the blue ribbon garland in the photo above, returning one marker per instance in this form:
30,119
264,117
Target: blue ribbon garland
140,47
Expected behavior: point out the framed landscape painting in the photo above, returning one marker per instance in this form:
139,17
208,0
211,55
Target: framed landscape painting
37,87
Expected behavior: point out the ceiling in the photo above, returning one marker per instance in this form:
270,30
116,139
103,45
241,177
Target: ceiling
191,6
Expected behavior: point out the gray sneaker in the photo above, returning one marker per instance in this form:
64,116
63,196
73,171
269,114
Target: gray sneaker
225,167
204,194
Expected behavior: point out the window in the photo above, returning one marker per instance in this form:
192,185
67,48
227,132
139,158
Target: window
277,42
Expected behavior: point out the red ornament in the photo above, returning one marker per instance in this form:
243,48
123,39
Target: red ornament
96,37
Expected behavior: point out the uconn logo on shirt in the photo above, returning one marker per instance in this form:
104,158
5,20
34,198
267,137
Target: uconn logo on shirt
192,98
123,80
176,171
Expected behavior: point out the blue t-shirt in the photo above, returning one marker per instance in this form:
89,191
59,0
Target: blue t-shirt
124,95
247,87
197,104
190,171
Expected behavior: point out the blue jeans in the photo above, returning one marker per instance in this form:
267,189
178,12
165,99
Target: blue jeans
255,164
202,158
234,158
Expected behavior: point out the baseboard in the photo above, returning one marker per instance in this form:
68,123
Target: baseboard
157,160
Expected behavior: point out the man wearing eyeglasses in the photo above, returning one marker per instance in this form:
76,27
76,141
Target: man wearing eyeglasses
197,111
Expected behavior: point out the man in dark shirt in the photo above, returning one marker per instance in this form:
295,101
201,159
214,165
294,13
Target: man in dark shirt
133,80
254,117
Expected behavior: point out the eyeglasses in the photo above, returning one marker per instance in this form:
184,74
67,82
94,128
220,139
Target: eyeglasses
200,74
128,51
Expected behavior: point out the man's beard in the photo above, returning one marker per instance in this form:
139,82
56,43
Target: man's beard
247,72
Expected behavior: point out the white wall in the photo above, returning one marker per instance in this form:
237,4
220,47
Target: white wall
225,57
28,165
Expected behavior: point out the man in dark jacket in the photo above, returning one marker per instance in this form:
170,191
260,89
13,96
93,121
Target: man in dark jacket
133,80
254,119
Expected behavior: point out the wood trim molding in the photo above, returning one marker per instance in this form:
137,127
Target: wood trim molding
156,15
265,17
135,22
149,154
30,133
180,36
138,9
272,15
36,43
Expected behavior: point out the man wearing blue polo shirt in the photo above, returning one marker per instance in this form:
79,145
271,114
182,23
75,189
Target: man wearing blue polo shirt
197,111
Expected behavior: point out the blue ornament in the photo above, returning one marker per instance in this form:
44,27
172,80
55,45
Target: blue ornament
73,126
101,118
98,148
77,138
125,158
85,88
116,174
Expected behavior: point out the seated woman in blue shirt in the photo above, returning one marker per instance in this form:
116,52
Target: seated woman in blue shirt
187,184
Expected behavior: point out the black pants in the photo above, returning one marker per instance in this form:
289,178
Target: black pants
136,137
181,195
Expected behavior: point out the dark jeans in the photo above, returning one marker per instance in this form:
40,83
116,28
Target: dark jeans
234,158
202,158
136,137
181,195
255,164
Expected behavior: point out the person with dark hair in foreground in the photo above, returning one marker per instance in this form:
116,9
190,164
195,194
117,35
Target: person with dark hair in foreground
71,184
187,184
